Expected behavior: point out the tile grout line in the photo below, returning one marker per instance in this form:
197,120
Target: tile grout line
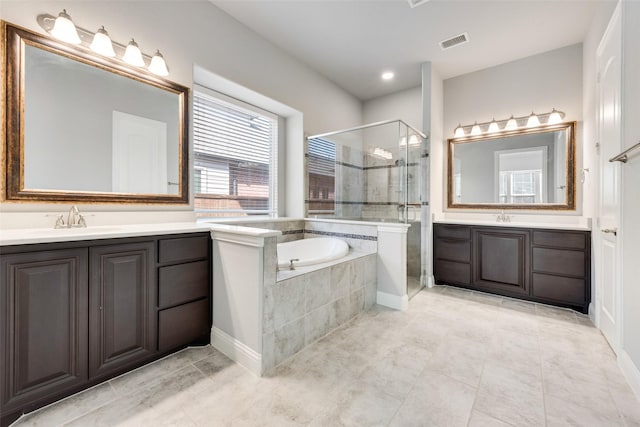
540,359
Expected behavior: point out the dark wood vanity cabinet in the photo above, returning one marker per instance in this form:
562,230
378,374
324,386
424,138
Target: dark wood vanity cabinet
549,266
43,327
122,306
76,313
501,260
184,314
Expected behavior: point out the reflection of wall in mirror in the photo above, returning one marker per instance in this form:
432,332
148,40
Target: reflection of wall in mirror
560,170
68,122
478,182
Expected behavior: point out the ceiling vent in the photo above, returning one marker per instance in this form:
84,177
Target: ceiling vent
454,41
416,3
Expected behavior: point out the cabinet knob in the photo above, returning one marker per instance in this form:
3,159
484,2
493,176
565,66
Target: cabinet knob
613,231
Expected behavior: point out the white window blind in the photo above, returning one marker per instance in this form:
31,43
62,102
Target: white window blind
235,152
322,172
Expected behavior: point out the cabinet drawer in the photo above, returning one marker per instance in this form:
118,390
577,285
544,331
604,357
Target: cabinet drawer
453,250
453,231
564,289
183,249
560,239
182,283
452,272
183,324
558,261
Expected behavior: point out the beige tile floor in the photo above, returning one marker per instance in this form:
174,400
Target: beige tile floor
455,358
413,286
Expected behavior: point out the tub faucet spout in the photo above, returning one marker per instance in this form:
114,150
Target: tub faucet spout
291,267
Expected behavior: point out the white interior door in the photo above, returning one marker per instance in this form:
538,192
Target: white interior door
609,136
139,159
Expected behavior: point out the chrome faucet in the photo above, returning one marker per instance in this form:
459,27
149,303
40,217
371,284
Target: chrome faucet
74,219
291,267
503,218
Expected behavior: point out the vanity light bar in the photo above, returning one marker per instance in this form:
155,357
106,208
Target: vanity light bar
551,118
99,42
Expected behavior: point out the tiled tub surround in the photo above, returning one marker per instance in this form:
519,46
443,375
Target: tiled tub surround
291,228
246,284
308,303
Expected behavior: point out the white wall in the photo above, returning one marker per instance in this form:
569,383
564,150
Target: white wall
189,33
432,166
536,83
405,105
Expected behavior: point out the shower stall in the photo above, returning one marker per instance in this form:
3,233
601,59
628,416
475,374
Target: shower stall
376,172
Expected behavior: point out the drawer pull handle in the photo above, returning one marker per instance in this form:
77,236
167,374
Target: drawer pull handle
613,231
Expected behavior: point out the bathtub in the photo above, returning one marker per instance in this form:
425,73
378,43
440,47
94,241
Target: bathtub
311,251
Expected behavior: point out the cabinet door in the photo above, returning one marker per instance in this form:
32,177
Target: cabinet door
122,306
43,326
501,260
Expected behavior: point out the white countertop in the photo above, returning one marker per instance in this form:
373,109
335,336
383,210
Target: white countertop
25,236
515,224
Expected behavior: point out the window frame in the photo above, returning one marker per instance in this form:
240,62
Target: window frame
274,152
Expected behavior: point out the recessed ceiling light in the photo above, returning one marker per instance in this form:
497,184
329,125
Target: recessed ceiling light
387,75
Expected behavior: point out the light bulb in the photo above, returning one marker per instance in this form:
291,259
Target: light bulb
493,126
381,152
388,75
158,66
132,54
533,120
511,124
102,43
459,132
555,117
475,130
64,29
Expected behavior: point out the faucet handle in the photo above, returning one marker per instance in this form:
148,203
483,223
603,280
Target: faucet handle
60,222
81,221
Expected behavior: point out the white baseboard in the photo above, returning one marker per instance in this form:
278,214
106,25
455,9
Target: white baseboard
396,302
630,371
592,312
236,351
431,281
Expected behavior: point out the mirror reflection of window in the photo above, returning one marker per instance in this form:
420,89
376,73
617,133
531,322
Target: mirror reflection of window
521,175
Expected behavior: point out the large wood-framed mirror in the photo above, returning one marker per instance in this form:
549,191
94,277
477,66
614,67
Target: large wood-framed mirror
532,168
83,128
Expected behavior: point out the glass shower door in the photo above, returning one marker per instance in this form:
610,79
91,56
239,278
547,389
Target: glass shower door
410,205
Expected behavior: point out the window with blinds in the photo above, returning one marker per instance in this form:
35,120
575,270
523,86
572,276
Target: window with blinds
322,174
235,152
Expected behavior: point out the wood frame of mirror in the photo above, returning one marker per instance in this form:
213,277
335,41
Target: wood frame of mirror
14,39
570,200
